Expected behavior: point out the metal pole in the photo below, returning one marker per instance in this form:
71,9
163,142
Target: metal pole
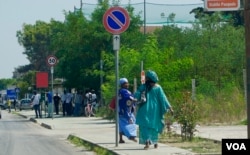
101,81
135,85
116,47
52,71
144,17
81,5
247,42
193,89
117,94
141,66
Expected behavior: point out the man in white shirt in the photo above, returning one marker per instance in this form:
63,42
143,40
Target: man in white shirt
68,103
36,104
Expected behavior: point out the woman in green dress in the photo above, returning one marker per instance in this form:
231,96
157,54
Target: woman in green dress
150,114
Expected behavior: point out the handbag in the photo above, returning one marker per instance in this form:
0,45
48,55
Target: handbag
112,103
143,98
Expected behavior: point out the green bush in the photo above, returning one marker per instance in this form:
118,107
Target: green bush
187,114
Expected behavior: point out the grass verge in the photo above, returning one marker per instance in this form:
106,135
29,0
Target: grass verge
197,145
90,146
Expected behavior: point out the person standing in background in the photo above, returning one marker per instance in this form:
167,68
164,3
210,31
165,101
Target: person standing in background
36,104
57,99
78,103
49,99
93,101
14,104
63,99
68,103
9,104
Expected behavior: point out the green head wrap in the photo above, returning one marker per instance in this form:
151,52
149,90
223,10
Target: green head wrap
152,75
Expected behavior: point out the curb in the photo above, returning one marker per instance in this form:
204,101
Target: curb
35,121
46,126
91,146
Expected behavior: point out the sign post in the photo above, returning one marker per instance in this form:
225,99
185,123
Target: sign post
17,90
52,61
247,41
116,20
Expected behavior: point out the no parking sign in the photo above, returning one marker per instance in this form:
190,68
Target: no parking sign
116,20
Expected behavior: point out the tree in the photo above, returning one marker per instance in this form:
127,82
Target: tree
4,83
36,41
81,43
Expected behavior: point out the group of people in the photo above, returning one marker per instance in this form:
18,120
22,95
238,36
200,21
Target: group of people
149,114
67,99
80,100
35,99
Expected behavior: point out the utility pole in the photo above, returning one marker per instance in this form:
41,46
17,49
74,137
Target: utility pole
81,5
144,17
247,42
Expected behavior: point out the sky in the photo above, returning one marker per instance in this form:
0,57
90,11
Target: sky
14,13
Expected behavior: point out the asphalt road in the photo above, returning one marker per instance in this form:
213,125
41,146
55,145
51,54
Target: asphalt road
21,136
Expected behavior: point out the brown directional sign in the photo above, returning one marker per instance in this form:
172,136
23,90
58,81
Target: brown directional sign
221,5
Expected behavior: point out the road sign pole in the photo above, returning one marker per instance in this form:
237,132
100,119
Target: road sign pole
116,20
52,72
52,61
117,94
116,47
116,42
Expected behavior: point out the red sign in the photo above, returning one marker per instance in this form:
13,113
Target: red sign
42,80
116,20
222,5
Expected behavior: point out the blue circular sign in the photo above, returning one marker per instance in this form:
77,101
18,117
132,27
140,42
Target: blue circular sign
116,20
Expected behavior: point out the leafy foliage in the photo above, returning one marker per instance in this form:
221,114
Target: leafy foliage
36,40
187,114
4,83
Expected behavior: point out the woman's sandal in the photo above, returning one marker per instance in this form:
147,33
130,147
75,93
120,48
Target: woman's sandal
156,146
133,139
146,145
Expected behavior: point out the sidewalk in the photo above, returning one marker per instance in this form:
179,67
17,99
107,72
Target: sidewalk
102,133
